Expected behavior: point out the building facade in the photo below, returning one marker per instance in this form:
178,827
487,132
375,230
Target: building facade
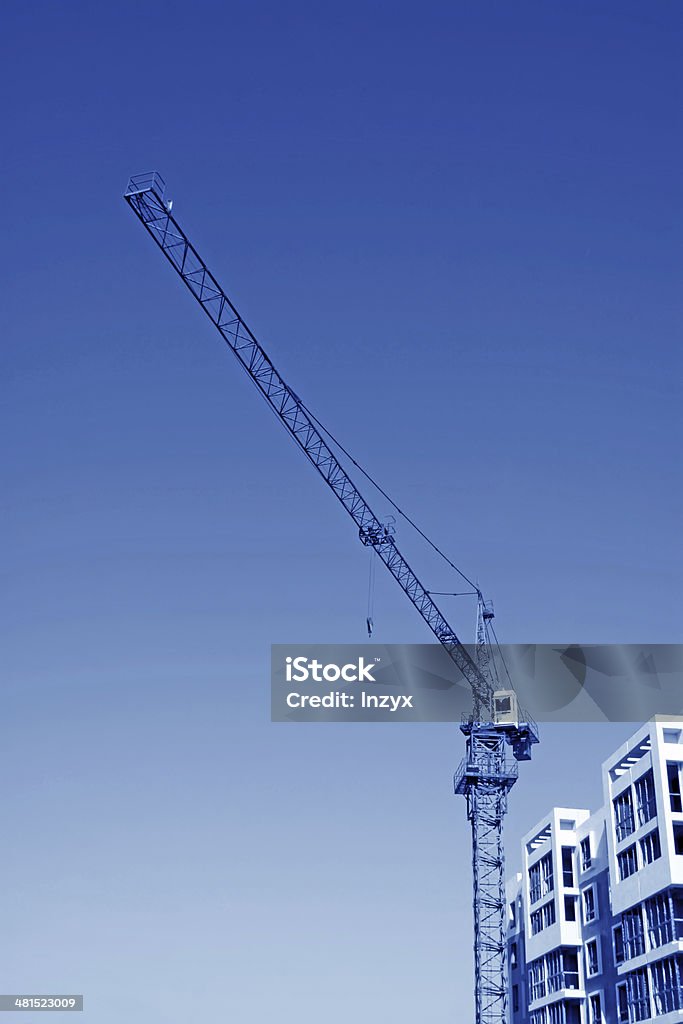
595,932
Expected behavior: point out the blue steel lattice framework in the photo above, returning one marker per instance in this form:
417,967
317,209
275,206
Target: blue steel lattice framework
485,778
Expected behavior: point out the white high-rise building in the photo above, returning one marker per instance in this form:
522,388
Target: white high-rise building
596,916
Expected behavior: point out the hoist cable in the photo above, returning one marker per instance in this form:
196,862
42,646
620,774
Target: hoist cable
393,504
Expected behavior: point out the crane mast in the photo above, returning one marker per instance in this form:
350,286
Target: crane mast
485,775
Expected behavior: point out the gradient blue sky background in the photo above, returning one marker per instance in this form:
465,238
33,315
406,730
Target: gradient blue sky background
456,227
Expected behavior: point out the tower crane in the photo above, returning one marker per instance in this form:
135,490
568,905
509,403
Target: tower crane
496,722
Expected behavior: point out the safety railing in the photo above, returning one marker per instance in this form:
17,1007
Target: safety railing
151,181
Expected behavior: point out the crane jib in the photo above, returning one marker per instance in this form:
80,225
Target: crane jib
145,196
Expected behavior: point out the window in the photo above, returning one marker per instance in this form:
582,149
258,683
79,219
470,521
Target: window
513,913
618,945
562,969
664,914
563,1013
570,908
586,859
537,1017
552,973
568,866
650,847
513,954
658,914
541,878
515,998
638,994
548,913
646,804
667,984
673,773
627,862
595,1006
624,822
570,968
543,917
622,1004
567,824
672,735
633,932
592,958
590,905
678,838
536,981
502,706
546,874
554,970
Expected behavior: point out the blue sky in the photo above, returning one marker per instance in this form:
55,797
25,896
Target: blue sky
455,227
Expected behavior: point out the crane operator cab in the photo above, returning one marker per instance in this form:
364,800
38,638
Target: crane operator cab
520,730
505,708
